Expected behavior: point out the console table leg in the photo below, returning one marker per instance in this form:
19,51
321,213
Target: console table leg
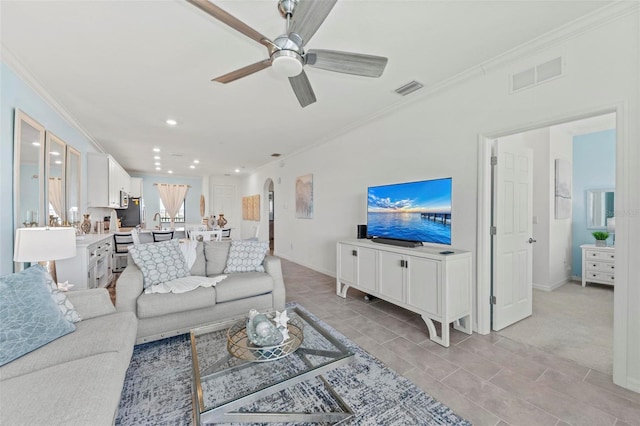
433,335
463,324
341,289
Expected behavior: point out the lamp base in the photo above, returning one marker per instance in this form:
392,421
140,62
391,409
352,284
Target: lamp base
50,267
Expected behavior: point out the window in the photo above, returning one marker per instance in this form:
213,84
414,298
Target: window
164,217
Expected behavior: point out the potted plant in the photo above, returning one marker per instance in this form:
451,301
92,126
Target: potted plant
601,238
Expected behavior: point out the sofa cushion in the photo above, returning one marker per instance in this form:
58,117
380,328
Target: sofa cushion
216,253
240,286
108,333
159,262
155,305
199,267
246,256
29,317
81,392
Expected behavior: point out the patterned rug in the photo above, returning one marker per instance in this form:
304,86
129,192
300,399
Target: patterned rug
157,390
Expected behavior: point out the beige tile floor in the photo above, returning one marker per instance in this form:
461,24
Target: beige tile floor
489,380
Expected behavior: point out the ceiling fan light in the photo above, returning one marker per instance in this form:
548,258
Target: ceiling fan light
286,63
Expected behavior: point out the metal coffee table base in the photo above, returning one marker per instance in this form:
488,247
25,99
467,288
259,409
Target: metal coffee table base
227,412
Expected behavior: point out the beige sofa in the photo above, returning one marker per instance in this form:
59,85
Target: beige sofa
164,315
76,379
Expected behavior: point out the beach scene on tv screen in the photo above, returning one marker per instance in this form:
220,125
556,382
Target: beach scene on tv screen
416,211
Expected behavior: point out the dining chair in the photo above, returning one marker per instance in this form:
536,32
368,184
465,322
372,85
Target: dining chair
188,229
161,236
121,243
215,235
136,236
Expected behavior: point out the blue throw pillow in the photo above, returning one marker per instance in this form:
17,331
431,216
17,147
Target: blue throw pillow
246,256
160,262
29,317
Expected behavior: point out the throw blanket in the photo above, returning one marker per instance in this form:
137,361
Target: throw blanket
189,251
184,284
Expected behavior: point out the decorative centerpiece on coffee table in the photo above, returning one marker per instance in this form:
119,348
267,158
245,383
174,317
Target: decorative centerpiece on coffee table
264,337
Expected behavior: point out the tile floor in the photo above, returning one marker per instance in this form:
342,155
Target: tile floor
489,380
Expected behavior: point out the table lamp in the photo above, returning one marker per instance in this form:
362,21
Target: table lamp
45,246
611,229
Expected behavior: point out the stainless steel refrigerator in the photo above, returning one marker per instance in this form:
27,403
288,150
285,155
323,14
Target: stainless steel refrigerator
133,215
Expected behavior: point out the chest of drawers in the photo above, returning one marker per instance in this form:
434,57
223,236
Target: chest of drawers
598,264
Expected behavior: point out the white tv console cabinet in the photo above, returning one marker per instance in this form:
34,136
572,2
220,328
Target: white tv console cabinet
436,286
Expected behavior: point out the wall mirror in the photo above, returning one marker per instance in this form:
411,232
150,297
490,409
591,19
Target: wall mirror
72,190
28,169
600,207
55,159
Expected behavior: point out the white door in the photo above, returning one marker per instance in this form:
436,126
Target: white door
513,240
223,202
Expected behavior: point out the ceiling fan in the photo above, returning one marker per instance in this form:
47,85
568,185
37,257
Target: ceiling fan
286,52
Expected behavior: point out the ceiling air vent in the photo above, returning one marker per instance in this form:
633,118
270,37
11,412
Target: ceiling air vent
275,154
409,88
537,74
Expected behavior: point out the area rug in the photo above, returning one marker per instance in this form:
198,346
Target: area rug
157,390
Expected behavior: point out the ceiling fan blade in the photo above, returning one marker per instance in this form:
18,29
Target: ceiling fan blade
308,16
347,63
302,89
225,17
243,72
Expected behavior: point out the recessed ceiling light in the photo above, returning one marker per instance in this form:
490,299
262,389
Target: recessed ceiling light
35,143
156,157
58,162
171,122
156,164
54,153
169,171
237,170
192,166
196,161
156,149
158,168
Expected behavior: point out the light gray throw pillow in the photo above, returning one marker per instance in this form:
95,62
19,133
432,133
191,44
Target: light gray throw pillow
159,262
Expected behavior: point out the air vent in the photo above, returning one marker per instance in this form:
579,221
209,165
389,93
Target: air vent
177,155
537,74
275,154
409,88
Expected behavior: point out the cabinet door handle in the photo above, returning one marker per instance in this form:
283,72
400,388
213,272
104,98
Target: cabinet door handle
402,263
354,252
406,264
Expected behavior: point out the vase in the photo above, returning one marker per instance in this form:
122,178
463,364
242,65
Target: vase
86,224
601,243
221,221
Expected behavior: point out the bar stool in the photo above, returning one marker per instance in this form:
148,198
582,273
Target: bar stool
161,236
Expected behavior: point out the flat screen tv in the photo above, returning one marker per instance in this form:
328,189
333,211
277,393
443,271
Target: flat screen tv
411,211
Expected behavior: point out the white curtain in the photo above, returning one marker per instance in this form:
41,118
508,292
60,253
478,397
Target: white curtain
172,196
55,195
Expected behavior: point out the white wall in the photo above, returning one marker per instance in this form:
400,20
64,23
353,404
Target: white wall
437,136
560,242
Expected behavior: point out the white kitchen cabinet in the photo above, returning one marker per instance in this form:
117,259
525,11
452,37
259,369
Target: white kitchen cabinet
136,187
105,179
423,280
91,267
598,264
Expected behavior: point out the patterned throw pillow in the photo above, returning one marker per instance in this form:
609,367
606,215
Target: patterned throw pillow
246,256
29,318
159,262
64,304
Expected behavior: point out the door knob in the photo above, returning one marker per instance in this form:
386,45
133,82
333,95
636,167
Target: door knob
531,241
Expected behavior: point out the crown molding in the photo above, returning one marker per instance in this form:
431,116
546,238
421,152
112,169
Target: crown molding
12,61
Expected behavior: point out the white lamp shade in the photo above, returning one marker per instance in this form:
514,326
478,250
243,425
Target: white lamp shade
611,224
44,244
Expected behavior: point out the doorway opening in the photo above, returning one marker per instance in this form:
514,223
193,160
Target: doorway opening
544,220
269,195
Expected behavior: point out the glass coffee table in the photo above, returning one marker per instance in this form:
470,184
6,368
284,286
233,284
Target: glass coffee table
223,383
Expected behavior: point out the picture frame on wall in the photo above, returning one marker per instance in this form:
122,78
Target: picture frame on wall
304,196
563,189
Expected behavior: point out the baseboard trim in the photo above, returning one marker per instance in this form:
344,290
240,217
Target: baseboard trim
633,384
306,265
552,286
